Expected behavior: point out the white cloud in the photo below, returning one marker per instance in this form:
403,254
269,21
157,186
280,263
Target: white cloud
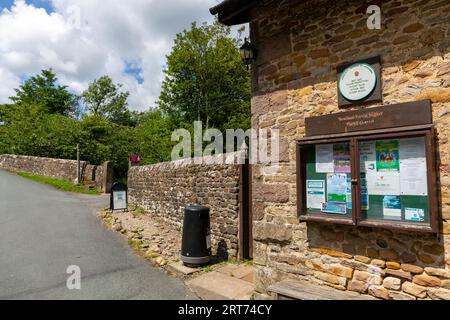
111,35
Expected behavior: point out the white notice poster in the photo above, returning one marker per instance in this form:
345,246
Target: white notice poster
413,177
120,200
383,183
413,167
412,148
315,191
324,158
368,157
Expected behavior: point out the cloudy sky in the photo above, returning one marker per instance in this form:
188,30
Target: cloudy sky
85,39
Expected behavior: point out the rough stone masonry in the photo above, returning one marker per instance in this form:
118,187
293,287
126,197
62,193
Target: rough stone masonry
165,189
300,44
54,168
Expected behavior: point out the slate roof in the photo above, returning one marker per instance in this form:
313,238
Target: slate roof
232,12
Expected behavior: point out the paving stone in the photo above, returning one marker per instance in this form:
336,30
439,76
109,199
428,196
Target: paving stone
180,269
218,286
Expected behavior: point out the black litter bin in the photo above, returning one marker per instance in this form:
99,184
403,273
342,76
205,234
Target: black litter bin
196,245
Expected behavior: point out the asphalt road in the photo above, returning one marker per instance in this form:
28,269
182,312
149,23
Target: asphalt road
43,231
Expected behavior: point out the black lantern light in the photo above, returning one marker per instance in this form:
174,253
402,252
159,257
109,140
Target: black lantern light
248,53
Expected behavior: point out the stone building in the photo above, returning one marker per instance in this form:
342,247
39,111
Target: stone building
300,47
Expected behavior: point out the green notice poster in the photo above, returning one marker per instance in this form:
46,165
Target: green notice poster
388,156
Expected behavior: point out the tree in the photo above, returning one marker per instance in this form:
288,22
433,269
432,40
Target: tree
44,90
153,137
103,98
206,80
30,130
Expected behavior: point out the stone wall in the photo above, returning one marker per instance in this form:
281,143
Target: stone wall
94,174
300,44
165,189
54,168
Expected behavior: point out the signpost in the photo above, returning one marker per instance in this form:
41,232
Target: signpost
119,197
134,160
78,164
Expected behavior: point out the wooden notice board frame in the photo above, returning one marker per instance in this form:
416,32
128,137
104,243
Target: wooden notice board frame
413,128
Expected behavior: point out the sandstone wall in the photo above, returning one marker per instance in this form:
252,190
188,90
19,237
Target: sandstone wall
54,168
165,189
299,46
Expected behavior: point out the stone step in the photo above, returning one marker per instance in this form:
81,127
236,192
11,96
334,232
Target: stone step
179,269
218,286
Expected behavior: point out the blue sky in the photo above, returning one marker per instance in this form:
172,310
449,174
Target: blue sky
46,4
132,68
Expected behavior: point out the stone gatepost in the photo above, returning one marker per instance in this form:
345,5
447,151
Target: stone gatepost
107,177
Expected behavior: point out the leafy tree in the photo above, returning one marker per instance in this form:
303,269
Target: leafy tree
44,90
104,98
153,135
30,130
206,80
3,136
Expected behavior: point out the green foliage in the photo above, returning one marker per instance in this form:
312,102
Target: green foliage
60,184
206,80
135,244
30,130
153,135
207,269
43,90
104,98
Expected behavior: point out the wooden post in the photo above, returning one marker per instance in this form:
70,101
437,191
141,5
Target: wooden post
78,165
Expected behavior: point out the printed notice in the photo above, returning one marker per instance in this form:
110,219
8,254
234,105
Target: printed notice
383,183
341,157
413,167
413,214
413,178
364,192
337,187
367,156
120,200
334,208
412,148
324,158
315,194
349,192
392,208
387,156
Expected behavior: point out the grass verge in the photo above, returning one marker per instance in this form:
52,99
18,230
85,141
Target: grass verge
60,184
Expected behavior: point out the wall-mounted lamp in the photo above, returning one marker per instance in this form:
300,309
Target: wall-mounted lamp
248,53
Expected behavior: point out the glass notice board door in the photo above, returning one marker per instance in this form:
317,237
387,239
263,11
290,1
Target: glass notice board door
394,180
328,180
